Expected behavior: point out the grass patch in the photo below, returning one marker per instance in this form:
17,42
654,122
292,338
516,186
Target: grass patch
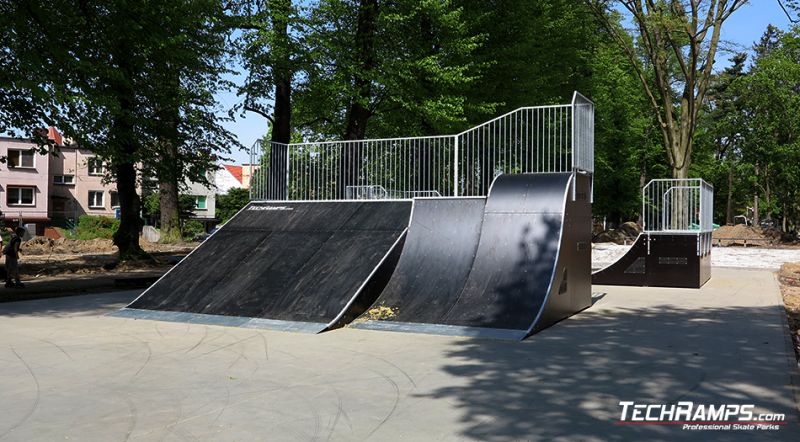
93,227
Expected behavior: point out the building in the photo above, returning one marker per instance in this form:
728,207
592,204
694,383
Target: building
248,170
24,186
76,186
56,189
228,177
205,201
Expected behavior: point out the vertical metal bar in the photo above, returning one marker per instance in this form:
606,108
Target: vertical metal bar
455,165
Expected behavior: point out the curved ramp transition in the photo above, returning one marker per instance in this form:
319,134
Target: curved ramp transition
529,268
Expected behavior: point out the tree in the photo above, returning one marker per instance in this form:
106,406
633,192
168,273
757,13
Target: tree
113,78
627,147
532,52
385,69
679,41
720,135
771,144
230,203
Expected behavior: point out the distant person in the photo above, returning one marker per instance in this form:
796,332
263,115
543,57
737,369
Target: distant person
11,251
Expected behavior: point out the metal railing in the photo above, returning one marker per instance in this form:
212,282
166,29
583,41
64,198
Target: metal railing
678,205
557,138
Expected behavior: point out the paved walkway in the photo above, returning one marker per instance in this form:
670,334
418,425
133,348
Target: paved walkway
69,373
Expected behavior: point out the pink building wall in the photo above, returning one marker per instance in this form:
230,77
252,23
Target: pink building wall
12,178
71,200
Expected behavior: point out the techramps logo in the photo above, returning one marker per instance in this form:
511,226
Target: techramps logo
701,417
269,208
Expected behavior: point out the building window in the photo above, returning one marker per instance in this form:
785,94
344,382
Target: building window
96,199
96,166
20,196
200,202
21,158
114,198
63,179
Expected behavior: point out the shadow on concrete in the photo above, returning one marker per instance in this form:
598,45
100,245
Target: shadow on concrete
566,382
71,306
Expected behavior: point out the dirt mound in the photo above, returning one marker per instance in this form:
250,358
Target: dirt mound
625,234
40,245
739,234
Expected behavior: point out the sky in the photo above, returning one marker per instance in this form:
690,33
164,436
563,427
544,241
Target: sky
739,33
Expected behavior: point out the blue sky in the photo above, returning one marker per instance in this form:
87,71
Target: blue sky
740,32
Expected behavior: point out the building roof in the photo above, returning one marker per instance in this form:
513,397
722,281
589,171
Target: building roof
236,171
55,135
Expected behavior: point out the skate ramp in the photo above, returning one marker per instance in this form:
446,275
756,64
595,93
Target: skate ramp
285,265
530,269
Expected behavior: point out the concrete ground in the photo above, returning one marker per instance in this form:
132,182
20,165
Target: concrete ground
69,373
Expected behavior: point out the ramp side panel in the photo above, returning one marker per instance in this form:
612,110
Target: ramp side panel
571,290
659,260
283,261
436,259
516,257
630,269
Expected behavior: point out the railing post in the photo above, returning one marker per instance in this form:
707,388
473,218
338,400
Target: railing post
250,187
455,165
286,183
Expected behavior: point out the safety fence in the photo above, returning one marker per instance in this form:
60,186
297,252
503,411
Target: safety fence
680,206
557,138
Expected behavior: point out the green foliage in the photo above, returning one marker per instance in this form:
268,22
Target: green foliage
92,227
192,228
627,143
413,78
230,203
130,80
535,52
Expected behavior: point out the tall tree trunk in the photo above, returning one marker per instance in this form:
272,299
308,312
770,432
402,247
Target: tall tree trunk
122,134
784,218
170,210
358,112
170,171
282,111
767,193
729,203
756,219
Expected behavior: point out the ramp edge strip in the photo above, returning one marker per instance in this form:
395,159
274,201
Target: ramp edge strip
441,329
226,321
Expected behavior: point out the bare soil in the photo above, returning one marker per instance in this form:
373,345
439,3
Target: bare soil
42,256
789,278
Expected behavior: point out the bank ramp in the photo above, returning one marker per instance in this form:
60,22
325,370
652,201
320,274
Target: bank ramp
299,266
501,267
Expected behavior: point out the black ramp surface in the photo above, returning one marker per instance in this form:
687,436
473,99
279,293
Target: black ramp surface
287,261
515,265
436,259
531,266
